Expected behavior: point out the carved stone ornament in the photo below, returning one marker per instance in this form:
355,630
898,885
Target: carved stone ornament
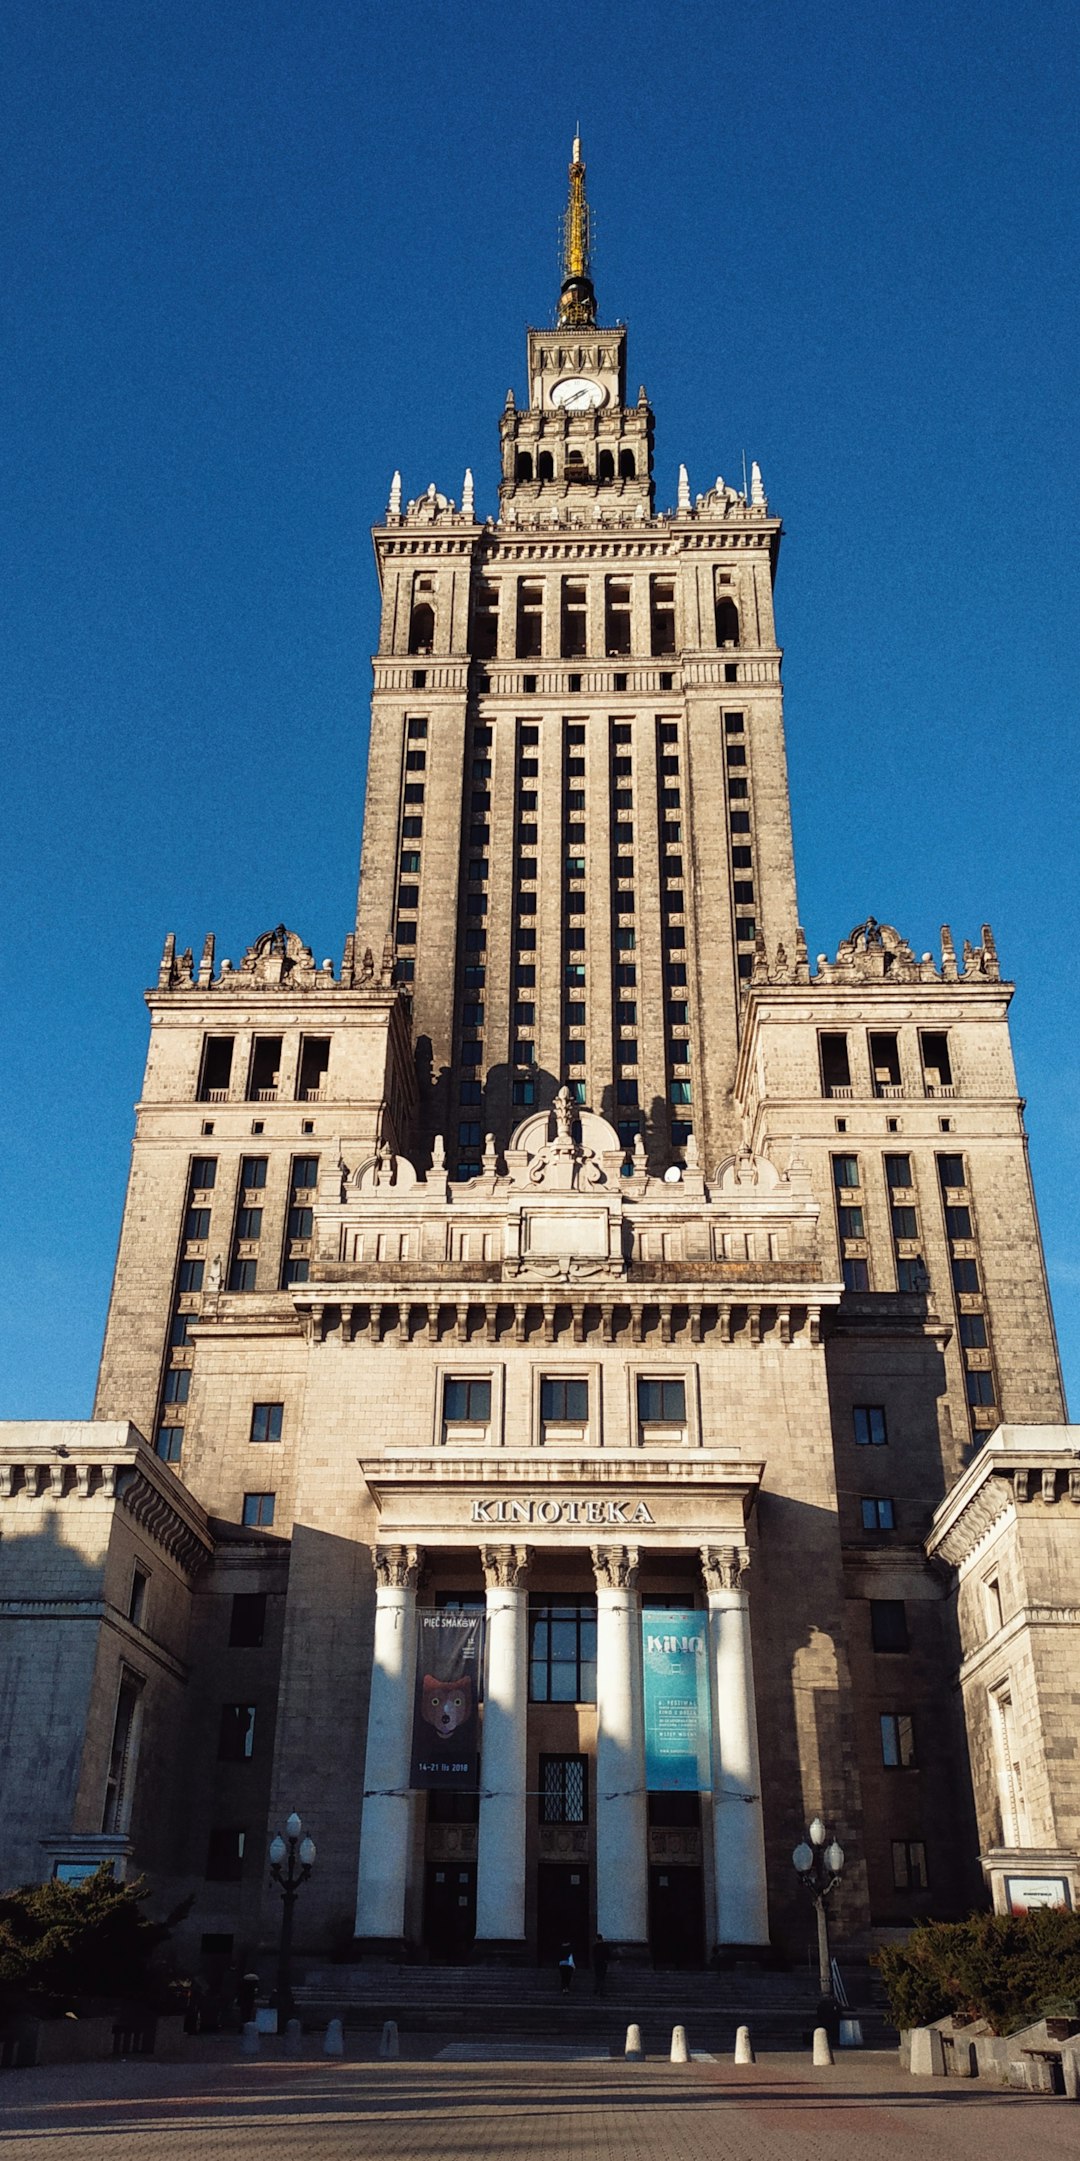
724,1567
506,1568
397,1568
615,1567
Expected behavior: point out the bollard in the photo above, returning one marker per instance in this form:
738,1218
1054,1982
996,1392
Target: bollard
1070,2072
927,2053
633,2044
388,2046
822,2051
294,2040
249,2039
334,2044
679,2051
744,2052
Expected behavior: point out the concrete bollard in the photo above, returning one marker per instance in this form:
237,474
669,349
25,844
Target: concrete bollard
744,2051
334,2044
389,2046
1070,2071
822,2050
927,2053
633,2047
294,2039
249,2039
679,2051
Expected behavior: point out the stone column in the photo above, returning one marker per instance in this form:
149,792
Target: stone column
500,1875
742,1906
622,1877
387,1817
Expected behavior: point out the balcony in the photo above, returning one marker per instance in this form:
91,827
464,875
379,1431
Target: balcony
939,1088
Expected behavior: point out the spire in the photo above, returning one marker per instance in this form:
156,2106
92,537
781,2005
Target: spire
577,300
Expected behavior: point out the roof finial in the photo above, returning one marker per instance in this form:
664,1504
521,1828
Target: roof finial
577,300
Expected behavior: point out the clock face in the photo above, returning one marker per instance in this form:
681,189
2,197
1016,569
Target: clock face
577,393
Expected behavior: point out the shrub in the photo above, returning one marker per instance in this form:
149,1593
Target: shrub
61,1941
1005,1968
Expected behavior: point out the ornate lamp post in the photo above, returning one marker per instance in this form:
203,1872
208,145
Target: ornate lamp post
291,1860
820,1868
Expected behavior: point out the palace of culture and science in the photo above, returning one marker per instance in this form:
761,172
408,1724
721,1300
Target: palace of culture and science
582,1257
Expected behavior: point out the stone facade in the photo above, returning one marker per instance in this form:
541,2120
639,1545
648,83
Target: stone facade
575,1250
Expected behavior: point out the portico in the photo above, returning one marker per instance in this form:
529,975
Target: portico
565,1558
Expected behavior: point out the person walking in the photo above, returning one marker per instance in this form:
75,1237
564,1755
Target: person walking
566,1967
600,1958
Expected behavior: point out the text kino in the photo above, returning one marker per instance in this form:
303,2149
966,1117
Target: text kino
624,1513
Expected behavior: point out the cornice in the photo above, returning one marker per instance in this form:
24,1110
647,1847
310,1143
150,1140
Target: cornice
70,1464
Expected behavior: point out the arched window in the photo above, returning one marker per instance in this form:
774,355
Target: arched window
422,628
727,623
605,466
523,469
575,466
627,467
545,466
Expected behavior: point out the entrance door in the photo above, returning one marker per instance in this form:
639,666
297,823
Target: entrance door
562,1911
450,1909
677,1916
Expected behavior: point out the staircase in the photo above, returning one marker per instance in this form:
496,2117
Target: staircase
524,2003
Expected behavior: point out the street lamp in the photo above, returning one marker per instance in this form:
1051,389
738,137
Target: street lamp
291,1860
820,1867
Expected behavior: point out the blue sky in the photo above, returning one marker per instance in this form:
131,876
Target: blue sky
259,255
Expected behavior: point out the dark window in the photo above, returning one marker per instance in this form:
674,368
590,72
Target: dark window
301,1222
253,1172
412,828
909,1864
951,1170
884,1062
414,793
973,1331
415,761
249,1222
564,1789
727,623
266,1421
203,1173
265,1068
236,1733
845,1170
937,1066
258,1512
851,1223
980,1388
617,617
564,1402
835,1069
734,723
626,975
225,1854
856,1274
958,1222
530,619
870,1428
662,615
216,1067
905,1223
626,1013
122,1754
296,1269
898,1171
627,467
888,1624
897,1740
741,858
877,1513
177,1385
912,1274
626,1093
965,1275
137,1596
467,1403
744,893
170,1443
243,1275
628,1051
422,628
408,897
661,1403
739,821
562,1650
305,1173
247,1620
197,1223
416,730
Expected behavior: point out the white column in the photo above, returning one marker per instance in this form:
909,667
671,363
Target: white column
742,1906
500,1874
622,1880
384,1829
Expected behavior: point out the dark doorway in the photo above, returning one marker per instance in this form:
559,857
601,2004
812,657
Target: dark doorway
677,1916
450,1909
563,1912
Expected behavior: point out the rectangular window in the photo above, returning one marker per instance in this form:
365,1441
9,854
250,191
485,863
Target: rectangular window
197,1223
216,1068
530,618
888,1624
467,1402
242,1275
980,1388
897,1740
905,1223
170,1443
247,1620
562,1650
266,1421
177,1385
258,1511
617,615
236,1733
661,1402
180,1331
564,1789
877,1514
937,1066
958,1222
845,1170
965,1275
137,1597
951,1171
856,1274
835,1068
203,1173
265,1070
885,1064
225,1854
973,1331
851,1223
909,1864
120,1777
564,1407
249,1223
870,1430
898,1171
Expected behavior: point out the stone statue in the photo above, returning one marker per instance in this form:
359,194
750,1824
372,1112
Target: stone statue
214,1274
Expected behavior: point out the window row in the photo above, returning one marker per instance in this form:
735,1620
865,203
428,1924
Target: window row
263,1083
883,1051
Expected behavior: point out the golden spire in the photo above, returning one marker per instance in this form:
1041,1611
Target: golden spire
577,300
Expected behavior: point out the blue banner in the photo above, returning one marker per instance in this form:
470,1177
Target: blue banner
675,1667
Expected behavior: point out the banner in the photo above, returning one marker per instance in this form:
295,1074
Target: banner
446,1728
675,1667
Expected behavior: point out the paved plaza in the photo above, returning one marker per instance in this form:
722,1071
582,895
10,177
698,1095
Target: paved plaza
220,2109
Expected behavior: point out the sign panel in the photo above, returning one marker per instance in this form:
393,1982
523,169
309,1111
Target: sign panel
675,1667
446,1728
1024,1893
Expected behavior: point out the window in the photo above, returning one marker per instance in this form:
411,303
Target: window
258,1512
236,1733
905,1223
909,1864
877,1514
835,1068
573,620
247,1620
170,1443
225,1853
530,617
266,1421
898,1171
564,1789
870,1431
965,1275
203,1173
412,828
662,615
937,1067
679,1091
973,1332
120,1777
626,975
249,1223
253,1172
992,1607
564,1408
467,1403
885,1064
197,1223
265,1070
177,1385
980,1388
851,1223
242,1275
562,1650
137,1598
856,1273
951,1171
415,761
897,1740
617,617
888,1624
216,1069
416,730
958,1222
414,793
727,622
661,1402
